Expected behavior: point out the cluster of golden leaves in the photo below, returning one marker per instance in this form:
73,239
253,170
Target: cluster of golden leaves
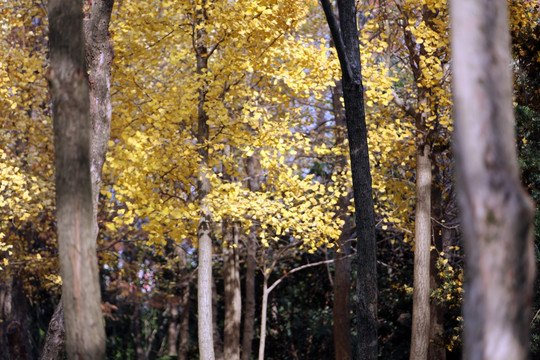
26,143
405,52
264,75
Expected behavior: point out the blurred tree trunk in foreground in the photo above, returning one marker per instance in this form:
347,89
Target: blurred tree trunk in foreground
496,213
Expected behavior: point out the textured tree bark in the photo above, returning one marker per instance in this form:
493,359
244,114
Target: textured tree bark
345,38
422,243
99,54
85,335
342,273
233,301
496,213
54,347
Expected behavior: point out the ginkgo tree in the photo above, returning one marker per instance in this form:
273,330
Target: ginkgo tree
405,51
242,96
26,173
181,150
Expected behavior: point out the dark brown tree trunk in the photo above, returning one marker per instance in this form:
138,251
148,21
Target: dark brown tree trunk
14,325
345,37
218,341
233,301
251,266
436,348
6,306
137,333
342,274
342,286
183,346
99,54
85,335
496,213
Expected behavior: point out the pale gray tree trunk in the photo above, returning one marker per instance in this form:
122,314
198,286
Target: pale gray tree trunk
172,331
99,57
422,243
496,212
264,313
204,279
85,335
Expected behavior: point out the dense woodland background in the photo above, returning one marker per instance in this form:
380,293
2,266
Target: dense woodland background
263,79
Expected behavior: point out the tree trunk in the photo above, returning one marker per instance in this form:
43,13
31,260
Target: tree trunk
137,333
251,266
264,311
345,36
14,325
204,279
99,54
233,301
218,341
183,346
6,306
436,348
496,213
85,335
422,243
342,285
172,332
342,274
54,347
